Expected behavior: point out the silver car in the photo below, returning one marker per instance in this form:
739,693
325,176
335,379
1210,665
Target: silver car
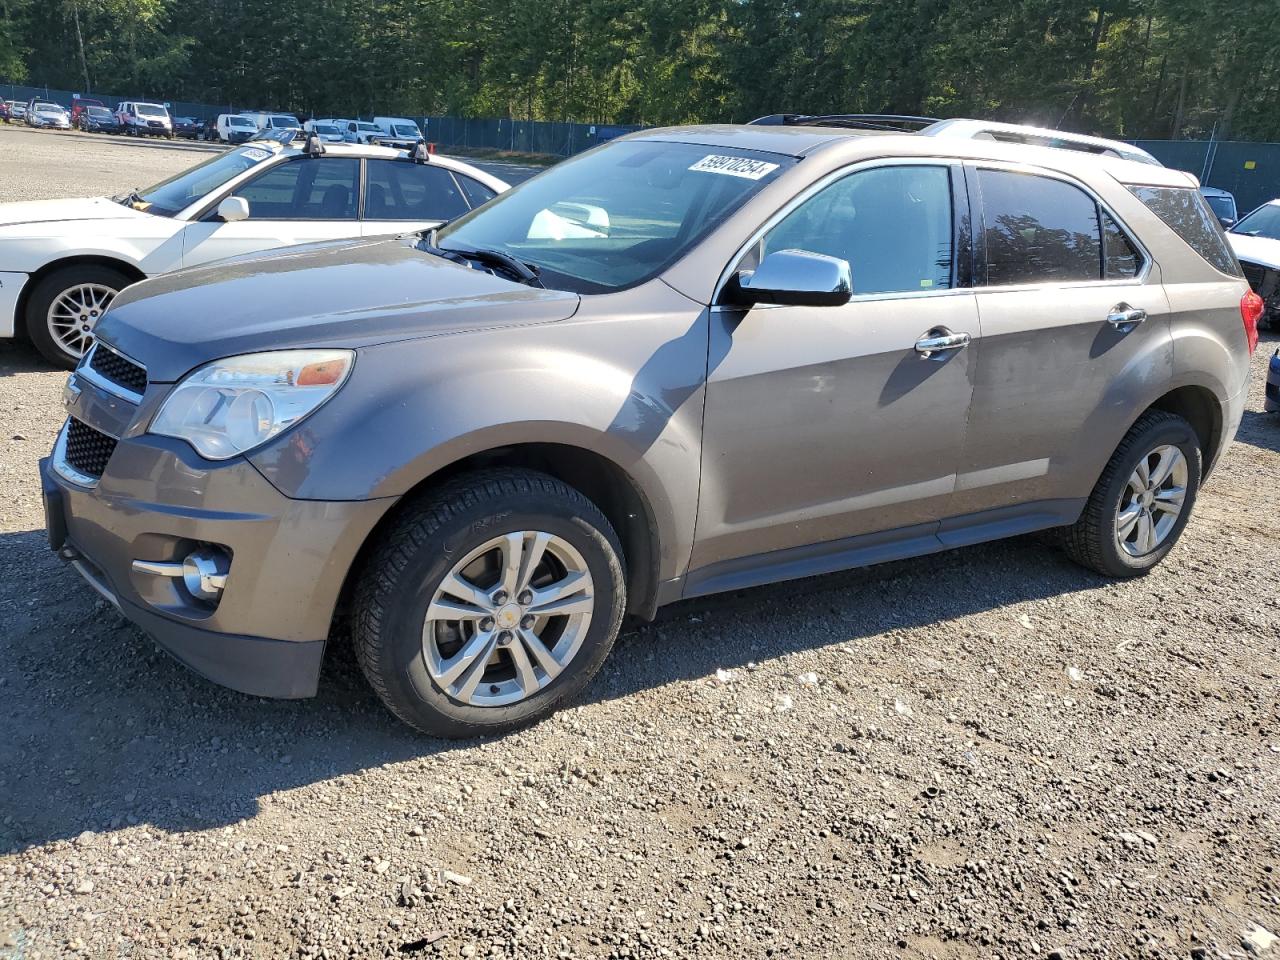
690,360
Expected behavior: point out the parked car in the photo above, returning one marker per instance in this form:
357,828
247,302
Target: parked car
78,106
275,121
397,132
1256,242
18,109
234,128
66,259
47,115
360,131
1272,402
93,119
761,360
139,118
188,128
1223,205
328,131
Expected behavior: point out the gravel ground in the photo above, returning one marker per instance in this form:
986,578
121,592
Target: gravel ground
985,753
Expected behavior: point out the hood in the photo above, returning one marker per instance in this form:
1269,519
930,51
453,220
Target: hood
1260,250
334,294
57,211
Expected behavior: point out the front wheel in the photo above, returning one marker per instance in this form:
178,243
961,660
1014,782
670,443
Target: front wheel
489,603
1141,503
65,307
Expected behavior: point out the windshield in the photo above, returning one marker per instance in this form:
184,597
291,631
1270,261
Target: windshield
241,122
1263,222
98,111
150,110
281,123
366,126
326,128
1222,206
617,215
49,107
169,196
401,130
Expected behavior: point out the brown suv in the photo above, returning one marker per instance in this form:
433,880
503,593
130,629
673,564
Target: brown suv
690,360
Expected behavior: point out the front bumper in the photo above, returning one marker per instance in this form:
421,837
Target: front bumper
1272,402
156,500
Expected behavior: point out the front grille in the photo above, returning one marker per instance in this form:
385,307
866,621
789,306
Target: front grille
154,123
88,450
118,369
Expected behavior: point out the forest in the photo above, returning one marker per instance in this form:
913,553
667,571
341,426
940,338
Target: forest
1130,68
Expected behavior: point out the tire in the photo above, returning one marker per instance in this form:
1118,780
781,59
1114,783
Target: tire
1095,540
406,656
49,289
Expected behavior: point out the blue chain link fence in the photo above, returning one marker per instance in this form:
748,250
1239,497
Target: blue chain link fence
1251,171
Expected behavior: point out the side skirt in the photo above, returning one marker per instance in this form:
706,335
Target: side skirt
862,551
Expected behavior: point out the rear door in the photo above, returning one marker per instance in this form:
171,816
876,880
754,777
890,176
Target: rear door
1057,276
401,196
297,201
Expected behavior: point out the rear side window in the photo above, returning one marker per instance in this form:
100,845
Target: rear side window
1184,211
402,190
477,193
1038,230
1122,260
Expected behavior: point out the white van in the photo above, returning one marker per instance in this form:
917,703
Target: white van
274,121
138,118
329,131
397,132
235,128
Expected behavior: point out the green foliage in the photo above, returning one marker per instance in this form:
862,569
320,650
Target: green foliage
1136,68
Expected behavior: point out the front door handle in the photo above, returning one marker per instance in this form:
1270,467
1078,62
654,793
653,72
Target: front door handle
1124,317
938,343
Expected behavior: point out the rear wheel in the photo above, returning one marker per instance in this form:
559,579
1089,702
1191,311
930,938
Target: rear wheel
1142,502
492,601
65,307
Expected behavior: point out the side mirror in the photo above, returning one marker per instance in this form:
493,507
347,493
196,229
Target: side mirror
1227,222
232,209
794,278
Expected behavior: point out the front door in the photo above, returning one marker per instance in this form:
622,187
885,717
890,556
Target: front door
830,439
299,201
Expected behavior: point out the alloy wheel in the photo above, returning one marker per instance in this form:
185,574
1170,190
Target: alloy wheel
508,618
1152,501
75,312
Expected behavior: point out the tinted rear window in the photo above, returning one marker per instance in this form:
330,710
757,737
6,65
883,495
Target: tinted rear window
1038,230
1185,212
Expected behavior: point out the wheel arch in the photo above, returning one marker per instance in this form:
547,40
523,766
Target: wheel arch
97,260
1200,407
606,484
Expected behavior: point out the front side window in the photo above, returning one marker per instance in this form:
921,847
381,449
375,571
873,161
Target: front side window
401,190
617,215
893,226
322,188
1038,230
1184,211
170,196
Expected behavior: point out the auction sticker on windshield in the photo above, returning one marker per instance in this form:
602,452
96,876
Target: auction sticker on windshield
256,153
734,166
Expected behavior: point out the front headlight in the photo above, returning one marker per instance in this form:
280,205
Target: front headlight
230,406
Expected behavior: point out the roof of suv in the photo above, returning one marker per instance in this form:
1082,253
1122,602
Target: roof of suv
800,141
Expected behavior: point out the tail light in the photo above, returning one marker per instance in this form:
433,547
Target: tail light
1251,307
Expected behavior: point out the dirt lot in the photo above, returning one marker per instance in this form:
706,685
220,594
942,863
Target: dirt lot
986,753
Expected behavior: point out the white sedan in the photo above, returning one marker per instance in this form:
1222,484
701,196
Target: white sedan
62,261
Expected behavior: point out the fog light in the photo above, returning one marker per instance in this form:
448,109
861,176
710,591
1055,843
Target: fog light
204,572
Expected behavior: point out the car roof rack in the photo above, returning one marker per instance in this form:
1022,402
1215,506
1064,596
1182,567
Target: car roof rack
961,129
420,152
889,122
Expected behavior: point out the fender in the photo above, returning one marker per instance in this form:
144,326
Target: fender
628,390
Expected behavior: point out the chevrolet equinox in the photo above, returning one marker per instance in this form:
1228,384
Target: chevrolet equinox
690,360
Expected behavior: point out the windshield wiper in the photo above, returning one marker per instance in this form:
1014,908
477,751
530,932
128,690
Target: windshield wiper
526,273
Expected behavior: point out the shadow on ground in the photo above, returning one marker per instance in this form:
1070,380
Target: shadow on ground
103,731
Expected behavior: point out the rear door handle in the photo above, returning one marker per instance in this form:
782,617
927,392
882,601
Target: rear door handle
939,342
1124,317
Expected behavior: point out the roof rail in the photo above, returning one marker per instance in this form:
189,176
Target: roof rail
892,122
1037,136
